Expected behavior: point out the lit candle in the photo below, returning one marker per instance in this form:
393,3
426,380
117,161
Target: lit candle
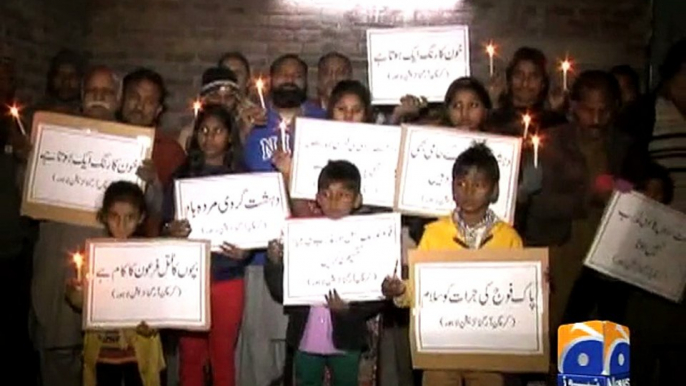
490,50
526,120
536,141
14,111
565,66
282,129
197,106
78,263
260,91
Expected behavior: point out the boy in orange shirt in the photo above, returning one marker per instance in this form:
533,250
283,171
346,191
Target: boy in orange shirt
472,225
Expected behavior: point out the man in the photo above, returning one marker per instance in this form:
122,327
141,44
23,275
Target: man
56,327
219,86
238,63
62,92
262,342
143,105
332,68
101,94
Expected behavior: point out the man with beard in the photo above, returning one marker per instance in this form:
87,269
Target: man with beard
63,84
56,327
143,105
101,94
262,342
332,68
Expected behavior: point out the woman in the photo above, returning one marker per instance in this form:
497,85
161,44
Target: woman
528,84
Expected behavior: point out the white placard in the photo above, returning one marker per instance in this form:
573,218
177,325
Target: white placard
74,166
479,308
374,149
425,186
352,255
419,61
162,282
643,243
246,210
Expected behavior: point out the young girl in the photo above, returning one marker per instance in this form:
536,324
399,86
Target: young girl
466,104
133,356
214,150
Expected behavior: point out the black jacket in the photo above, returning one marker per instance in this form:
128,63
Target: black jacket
349,327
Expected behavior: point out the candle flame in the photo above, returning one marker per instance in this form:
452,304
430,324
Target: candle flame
490,49
259,83
197,106
78,260
566,65
526,118
14,111
535,140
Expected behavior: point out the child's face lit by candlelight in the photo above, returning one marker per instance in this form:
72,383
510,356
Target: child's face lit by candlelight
122,219
466,110
214,139
473,191
337,201
349,109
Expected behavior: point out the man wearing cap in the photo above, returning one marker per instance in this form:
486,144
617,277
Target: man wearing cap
219,86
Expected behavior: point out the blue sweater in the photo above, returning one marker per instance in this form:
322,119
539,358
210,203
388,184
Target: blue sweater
261,143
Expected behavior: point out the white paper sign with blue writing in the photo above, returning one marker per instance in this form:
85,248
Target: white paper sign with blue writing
479,308
425,175
245,210
643,243
420,61
164,283
352,255
74,166
374,149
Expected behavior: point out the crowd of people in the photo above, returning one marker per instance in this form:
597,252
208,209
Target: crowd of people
603,135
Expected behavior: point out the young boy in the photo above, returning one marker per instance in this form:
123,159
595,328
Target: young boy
472,226
335,335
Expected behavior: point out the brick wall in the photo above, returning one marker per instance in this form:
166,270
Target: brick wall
179,38
32,31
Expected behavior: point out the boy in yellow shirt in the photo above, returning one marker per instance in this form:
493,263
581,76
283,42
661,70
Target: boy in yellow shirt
472,225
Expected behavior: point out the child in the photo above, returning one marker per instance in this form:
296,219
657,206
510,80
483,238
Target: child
214,150
133,356
466,104
472,226
333,336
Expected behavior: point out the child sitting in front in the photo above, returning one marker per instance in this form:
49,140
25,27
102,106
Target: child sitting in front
131,356
472,225
331,336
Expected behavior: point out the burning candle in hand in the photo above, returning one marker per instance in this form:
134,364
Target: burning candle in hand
490,50
14,111
259,84
536,141
197,106
565,66
526,120
282,130
77,258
